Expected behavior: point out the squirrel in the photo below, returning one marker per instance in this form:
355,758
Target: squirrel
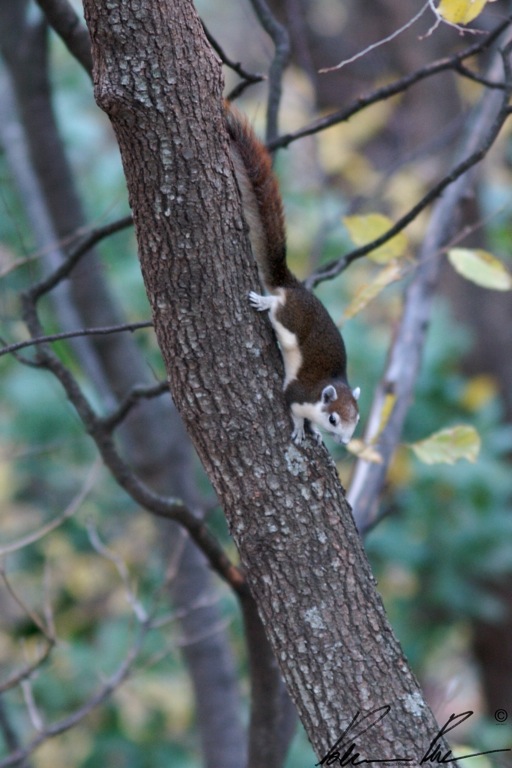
316,389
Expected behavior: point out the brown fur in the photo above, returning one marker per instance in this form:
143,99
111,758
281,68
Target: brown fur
261,190
321,346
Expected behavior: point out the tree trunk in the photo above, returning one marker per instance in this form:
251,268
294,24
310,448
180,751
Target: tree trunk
161,86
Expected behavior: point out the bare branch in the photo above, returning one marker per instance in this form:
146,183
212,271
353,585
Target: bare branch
78,244
32,615
466,72
70,510
405,357
385,40
205,600
66,23
170,508
17,263
138,609
336,267
15,136
280,38
248,78
136,394
104,692
85,244
10,348
32,708
392,89
17,677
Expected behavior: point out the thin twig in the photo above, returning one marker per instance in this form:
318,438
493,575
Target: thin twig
377,44
392,89
70,510
440,19
17,677
170,508
101,331
32,615
248,78
33,711
122,569
336,267
467,72
135,395
71,720
281,40
84,245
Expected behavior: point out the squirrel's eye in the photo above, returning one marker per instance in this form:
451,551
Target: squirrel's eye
333,420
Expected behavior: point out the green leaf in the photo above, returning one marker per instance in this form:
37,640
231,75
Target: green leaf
364,229
481,268
460,11
448,446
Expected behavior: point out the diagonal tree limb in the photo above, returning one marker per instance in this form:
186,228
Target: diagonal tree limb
392,89
16,346
281,40
404,361
248,78
169,508
458,171
70,28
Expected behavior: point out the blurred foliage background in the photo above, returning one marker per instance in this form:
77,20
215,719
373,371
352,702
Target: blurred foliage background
442,551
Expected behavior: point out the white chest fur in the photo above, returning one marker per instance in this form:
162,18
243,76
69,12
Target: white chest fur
311,411
290,350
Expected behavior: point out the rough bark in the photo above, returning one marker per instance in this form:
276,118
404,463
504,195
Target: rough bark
161,86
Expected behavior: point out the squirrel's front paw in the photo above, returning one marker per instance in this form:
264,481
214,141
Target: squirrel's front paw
298,435
316,435
261,303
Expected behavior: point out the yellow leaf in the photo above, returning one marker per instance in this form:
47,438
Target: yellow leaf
367,293
385,413
400,471
481,268
363,451
448,446
460,11
478,391
364,229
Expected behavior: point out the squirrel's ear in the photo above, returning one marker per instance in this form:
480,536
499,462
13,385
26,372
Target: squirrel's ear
329,394
356,392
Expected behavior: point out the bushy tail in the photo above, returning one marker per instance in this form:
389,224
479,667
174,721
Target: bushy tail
263,207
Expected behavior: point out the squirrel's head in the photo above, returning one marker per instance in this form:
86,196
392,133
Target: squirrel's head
339,411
